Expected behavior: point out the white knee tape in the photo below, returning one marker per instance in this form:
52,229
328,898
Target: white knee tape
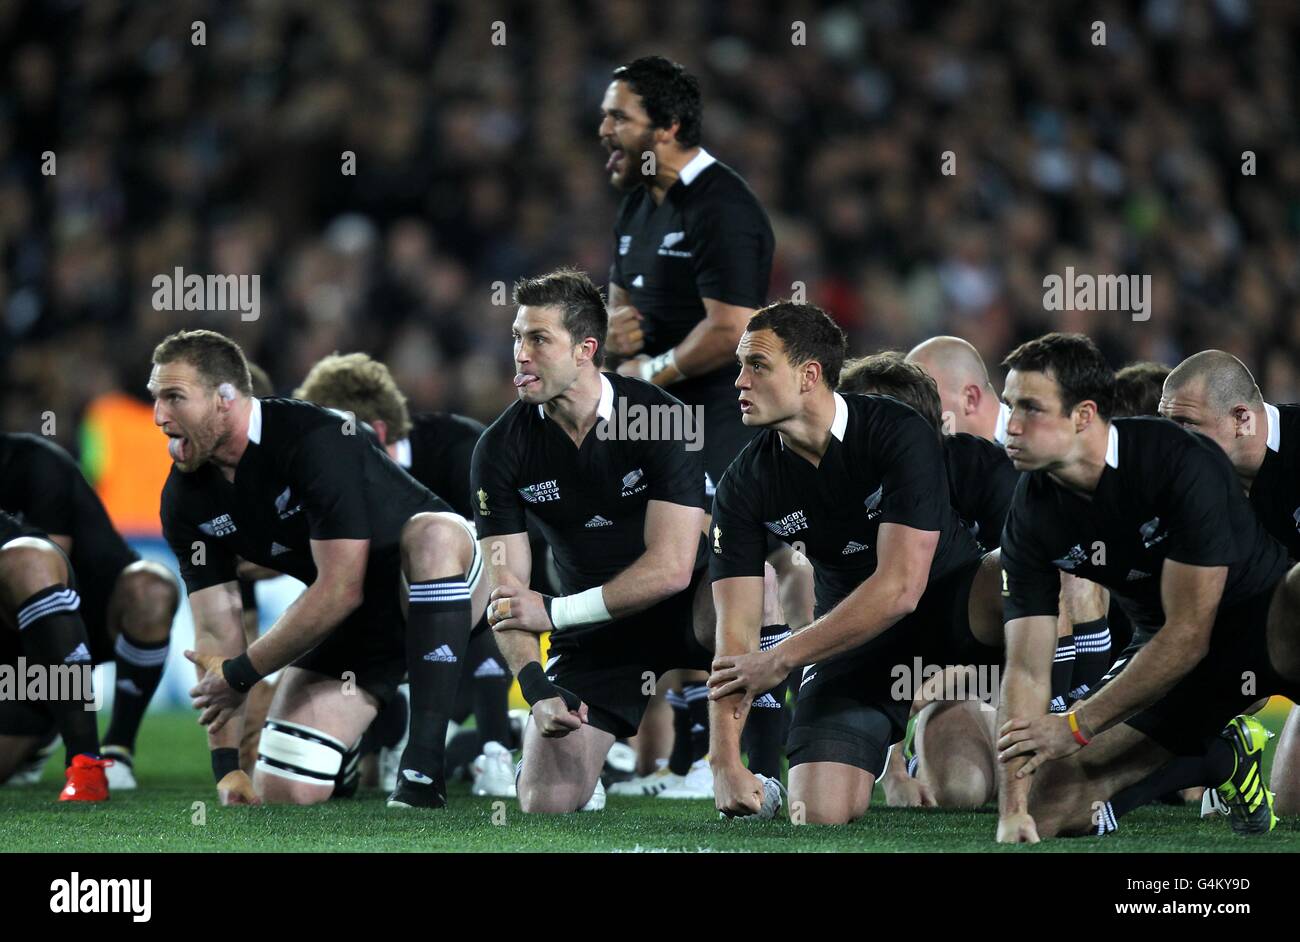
300,753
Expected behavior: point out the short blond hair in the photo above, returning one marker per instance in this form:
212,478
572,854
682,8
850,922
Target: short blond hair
353,382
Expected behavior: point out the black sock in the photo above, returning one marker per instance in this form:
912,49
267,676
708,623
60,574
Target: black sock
679,760
491,681
52,635
1092,655
388,726
765,729
1062,672
1211,768
437,631
140,666
697,708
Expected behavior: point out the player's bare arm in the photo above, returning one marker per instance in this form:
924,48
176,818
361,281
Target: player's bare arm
1190,596
888,594
1026,689
739,605
626,337
709,346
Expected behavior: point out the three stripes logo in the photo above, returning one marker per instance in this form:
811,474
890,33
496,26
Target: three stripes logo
441,654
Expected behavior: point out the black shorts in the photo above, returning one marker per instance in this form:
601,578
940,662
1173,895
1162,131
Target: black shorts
371,642
851,708
1235,673
615,668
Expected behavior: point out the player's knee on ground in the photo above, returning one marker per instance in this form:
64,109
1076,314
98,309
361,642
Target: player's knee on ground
538,798
434,545
149,600
956,758
28,565
819,796
296,764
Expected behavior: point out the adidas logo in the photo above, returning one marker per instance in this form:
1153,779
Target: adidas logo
127,685
79,655
766,701
638,282
853,546
598,521
490,668
441,654
277,549
1136,574
697,728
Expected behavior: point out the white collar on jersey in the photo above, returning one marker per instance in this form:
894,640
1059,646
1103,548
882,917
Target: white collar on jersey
1112,447
699,163
838,424
604,408
403,457
255,422
1000,430
1274,419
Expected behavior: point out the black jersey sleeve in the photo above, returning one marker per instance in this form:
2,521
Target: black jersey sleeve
1199,482
998,478
498,508
51,488
1031,585
676,473
328,471
731,250
737,539
203,560
914,478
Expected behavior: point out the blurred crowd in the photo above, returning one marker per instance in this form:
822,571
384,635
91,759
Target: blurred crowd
473,126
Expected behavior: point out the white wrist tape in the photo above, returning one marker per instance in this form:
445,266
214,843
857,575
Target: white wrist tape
584,608
655,365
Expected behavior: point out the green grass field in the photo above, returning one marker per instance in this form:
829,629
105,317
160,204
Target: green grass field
173,769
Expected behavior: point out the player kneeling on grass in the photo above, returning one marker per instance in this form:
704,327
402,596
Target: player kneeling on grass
1157,515
858,485
307,492
624,515
40,623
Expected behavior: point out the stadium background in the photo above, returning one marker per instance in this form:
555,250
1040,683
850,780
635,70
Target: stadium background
477,162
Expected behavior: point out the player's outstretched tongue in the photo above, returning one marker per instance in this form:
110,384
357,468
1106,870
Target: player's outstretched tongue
523,379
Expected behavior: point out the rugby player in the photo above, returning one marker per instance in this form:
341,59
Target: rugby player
970,404
1156,514
692,261
435,448
860,482
624,516
1138,387
952,763
40,622
127,603
306,491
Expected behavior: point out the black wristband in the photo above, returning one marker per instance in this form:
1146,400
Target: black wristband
548,601
535,686
240,673
224,761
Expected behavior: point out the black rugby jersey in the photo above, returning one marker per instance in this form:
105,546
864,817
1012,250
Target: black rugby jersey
1275,492
981,480
589,502
303,477
1165,493
42,486
884,464
709,238
437,453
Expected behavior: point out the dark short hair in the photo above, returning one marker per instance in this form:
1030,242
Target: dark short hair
215,357
668,93
1138,388
889,374
262,385
577,297
1076,364
808,334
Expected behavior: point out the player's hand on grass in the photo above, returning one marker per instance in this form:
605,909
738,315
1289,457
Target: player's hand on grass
212,694
236,788
517,609
903,791
625,337
1042,739
751,674
1017,829
737,792
554,718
